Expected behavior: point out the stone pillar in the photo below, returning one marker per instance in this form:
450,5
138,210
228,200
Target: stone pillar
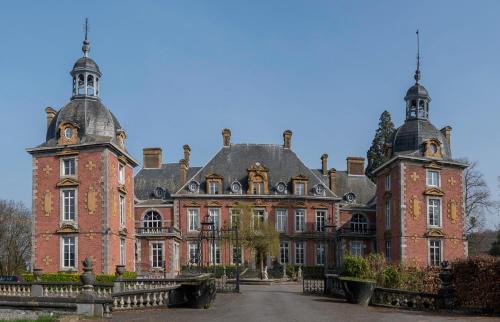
118,285
447,293
36,289
86,299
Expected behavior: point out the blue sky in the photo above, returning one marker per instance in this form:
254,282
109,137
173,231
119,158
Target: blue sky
178,72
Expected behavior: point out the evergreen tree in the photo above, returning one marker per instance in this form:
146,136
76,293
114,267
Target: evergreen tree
375,154
495,247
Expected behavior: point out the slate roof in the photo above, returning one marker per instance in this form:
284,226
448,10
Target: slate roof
232,164
167,177
85,64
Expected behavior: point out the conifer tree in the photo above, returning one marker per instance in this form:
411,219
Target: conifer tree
375,155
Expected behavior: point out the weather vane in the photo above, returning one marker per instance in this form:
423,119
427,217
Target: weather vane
86,44
417,72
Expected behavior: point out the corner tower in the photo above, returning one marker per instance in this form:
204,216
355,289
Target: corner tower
420,199
83,182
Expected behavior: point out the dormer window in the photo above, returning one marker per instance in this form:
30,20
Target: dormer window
236,187
258,187
257,179
214,184
213,188
319,190
68,133
432,149
299,184
281,187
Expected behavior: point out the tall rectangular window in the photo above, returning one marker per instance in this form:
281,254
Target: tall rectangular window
235,217
193,219
300,219
213,187
434,252
387,182
258,218
433,178
387,214
211,253
69,204
69,167
68,252
122,251
300,253
320,254
357,248
156,254
434,212
284,252
388,250
193,252
320,220
122,210
281,220
121,173
214,214
300,188
258,188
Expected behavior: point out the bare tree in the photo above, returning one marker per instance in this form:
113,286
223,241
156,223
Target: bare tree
477,198
15,237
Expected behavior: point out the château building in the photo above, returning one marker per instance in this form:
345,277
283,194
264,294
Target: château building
87,201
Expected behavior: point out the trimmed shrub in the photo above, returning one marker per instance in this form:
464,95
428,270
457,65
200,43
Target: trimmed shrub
75,278
357,267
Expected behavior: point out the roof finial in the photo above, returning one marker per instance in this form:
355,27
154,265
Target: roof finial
417,72
86,44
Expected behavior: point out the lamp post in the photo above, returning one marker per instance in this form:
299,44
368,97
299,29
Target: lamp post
210,224
333,226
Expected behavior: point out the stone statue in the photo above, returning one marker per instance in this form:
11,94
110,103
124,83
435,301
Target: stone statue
265,276
299,273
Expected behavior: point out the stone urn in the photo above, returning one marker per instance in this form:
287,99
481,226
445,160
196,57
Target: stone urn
88,276
357,291
120,270
37,273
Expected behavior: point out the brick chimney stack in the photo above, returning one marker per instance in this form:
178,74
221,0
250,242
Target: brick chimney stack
446,131
287,139
355,166
324,164
226,137
152,157
183,170
333,180
51,113
187,152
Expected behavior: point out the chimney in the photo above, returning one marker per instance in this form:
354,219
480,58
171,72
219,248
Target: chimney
333,180
355,166
446,131
187,152
183,171
50,114
324,164
152,157
226,137
287,139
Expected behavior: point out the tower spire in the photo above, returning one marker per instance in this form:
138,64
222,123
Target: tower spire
417,71
86,44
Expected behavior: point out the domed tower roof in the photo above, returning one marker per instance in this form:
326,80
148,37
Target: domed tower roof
85,64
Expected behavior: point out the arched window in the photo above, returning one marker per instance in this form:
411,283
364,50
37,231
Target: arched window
359,223
81,84
74,86
152,219
90,85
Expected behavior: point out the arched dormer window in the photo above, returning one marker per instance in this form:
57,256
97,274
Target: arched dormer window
90,85
81,84
152,219
359,223
257,179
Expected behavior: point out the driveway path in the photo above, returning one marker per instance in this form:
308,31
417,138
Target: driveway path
283,303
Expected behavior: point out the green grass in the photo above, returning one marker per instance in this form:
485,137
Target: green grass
41,318
356,279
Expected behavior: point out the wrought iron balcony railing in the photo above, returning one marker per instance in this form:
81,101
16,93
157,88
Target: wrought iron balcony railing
155,231
368,232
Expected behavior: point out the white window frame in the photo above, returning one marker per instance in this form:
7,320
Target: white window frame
258,188
63,168
429,246
387,214
235,213
122,209
303,247
213,187
256,215
387,182
61,253
192,246
216,219
121,173
440,217
151,254
63,206
152,223
359,226
193,213
318,218
429,179
284,246
282,220
320,247
356,245
217,253
299,225
297,191
123,251
388,250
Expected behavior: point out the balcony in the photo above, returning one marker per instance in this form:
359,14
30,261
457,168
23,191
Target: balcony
359,232
157,232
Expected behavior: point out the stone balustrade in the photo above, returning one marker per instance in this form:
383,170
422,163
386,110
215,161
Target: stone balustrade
60,289
142,298
15,289
404,299
146,284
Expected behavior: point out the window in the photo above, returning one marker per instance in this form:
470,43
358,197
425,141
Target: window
320,220
193,252
387,214
359,223
387,182
434,212
434,252
68,252
69,205
211,253
237,255
122,211
299,253
193,219
433,179
388,251
300,217
357,248
320,254
214,213
121,173
300,188
284,252
235,217
152,219
69,167
213,187
122,251
258,217
281,220
157,255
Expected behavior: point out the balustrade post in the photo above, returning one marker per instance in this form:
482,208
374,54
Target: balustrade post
86,299
118,284
36,288
447,293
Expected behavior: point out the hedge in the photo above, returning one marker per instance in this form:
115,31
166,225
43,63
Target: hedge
75,278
